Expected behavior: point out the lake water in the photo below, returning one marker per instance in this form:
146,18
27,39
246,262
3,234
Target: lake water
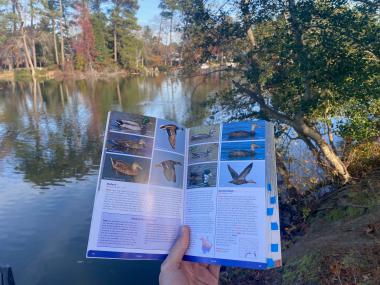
51,135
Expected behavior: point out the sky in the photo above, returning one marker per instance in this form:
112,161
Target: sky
147,11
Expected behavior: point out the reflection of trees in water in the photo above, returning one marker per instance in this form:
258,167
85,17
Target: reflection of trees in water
53,130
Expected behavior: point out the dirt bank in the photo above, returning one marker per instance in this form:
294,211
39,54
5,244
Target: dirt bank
341,243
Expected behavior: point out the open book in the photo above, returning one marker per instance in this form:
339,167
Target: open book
156,175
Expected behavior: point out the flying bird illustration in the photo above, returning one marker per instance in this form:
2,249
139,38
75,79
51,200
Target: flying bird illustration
168,167
172,133
239,179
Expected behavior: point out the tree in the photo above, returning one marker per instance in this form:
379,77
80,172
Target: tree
300,63
85,42
168,8
102,39
124,22
20,19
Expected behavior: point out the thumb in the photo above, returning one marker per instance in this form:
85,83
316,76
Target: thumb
178,250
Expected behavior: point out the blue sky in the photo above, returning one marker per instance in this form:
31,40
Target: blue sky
148,9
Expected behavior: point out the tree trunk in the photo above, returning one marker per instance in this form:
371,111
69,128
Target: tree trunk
34,53
55,41
31,3
23,35
303,130
170,40
118,93
10,65
115,44
336,163
159,35
331,136
62,39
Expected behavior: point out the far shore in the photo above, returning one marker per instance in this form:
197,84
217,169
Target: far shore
45,74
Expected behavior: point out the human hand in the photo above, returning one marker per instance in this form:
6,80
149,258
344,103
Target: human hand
174,271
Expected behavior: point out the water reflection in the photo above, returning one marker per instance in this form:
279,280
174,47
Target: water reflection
51,138
52,130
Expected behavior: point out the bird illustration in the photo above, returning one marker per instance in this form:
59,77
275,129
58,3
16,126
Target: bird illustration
200,180
172,133
244,134
201,136
127,145
244,152
169,169
239,179
206,245
129,125
201,154
124,168
206,177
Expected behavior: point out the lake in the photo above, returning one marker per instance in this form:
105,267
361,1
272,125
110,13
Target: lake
51,135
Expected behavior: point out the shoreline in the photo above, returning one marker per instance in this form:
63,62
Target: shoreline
44,74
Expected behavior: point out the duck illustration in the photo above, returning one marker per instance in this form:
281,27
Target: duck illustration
204,135
206,245
243,152
201,180
169,169
172,133
206,177
127,145
201,154
244,134
124,168
239,179
129,125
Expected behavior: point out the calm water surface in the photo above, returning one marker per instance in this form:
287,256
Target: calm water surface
50,143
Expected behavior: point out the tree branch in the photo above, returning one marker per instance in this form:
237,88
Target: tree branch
267,110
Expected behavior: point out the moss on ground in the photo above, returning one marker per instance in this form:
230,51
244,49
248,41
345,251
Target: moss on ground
307,267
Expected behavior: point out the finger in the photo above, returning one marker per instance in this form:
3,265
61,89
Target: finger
178,250
215,270
187,268
204,275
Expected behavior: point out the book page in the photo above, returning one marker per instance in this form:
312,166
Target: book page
225,195
138,203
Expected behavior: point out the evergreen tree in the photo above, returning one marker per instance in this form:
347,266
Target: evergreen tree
124,24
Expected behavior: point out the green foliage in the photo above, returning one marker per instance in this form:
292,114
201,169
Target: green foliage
80,63
130,46
302,62
306,268
102,38
124,23
105,18
356,125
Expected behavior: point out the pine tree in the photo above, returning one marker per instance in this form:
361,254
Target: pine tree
124,24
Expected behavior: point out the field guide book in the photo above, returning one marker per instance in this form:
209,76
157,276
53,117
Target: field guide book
156,175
